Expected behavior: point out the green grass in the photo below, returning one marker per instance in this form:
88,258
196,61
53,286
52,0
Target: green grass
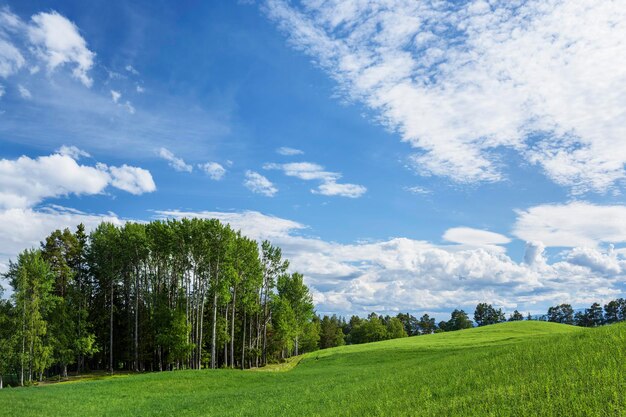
510,369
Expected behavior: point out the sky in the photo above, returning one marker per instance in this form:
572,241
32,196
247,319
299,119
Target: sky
406,156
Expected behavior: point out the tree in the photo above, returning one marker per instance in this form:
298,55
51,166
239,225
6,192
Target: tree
563,313
32,281
458,321
291,288
485,314
7,341
331,333
615,310
395,329
427,325
516,316
410,323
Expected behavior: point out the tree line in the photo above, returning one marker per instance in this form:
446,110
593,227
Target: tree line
337,331
164,295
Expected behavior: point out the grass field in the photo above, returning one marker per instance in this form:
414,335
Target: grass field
510,369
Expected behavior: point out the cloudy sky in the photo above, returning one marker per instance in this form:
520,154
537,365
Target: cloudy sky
407,156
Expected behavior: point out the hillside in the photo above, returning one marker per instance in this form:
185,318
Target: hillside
520,368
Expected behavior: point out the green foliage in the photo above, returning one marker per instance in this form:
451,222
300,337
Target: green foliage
485,314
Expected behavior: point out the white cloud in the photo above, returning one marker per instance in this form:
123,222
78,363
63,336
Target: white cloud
289,151
58,41
140,89
175,162
25,182
131,69
73,152
132,179
129,107
309,171
2,90
115,96
214,170
418,190
258,184
597,261
11,59
474,237
460,81
24,92
332,188
573,224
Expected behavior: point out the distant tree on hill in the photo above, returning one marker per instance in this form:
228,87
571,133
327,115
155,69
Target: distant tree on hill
395,329
427,325
591,317
331,333
563,313
516,316
615,310
485,314
458,321
410,323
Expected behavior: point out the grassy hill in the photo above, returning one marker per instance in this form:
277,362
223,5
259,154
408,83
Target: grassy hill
516,369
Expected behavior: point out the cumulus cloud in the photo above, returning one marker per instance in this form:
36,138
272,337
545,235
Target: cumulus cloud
286,151
175,162
573,224
258,184
132,179
25,182
58,41
214,170
461,81
309,171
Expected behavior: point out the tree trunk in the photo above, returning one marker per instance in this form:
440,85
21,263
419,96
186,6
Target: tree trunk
65,371
111,332
23,344
243,342
213,351
225,342
232,330
296,345
136,320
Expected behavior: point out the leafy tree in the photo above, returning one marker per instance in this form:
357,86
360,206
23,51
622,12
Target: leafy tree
516,316
458,321
410,323
563,313
395,329
426,325
615,310
485,314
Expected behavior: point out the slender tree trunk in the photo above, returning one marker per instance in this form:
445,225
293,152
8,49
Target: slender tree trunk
213,334
0,381
243,341
136,320
232,330
296,345
111,332
225,342
23,344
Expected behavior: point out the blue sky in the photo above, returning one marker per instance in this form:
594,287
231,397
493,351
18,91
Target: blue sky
416,157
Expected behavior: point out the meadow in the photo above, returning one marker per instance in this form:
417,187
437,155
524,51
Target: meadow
524,368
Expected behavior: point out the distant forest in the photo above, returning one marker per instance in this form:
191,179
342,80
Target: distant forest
187,294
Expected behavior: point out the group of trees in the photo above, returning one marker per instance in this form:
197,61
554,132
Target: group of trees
613,312
157,296
336,331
